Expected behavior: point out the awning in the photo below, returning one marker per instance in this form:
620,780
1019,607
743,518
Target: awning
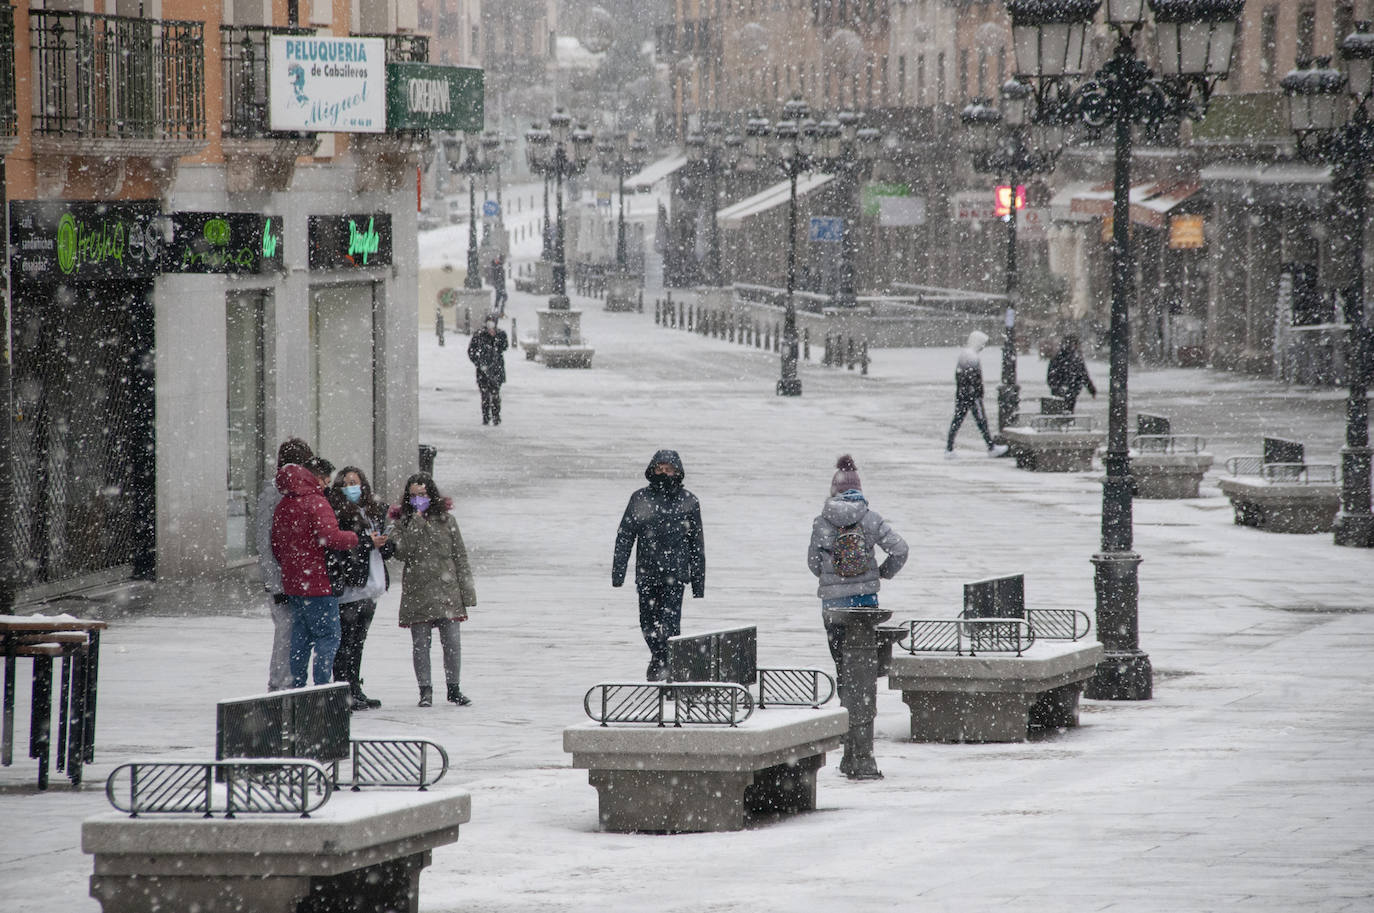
654,173
770,198
1150,203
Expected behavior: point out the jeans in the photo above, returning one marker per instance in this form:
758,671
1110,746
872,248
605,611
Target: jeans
279,667
660,617
834,628
962,406
451,641
354,620
314,624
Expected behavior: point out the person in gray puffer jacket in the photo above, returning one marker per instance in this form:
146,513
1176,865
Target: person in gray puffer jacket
846,507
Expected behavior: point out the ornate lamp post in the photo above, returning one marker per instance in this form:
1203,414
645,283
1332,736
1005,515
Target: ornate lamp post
1001,144
790,145
467,157
1330,113
712,153
621,156
495,151
1194,50
847,151
562,152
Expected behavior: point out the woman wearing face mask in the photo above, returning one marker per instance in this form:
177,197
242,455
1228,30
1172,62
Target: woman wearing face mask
363,572
436,584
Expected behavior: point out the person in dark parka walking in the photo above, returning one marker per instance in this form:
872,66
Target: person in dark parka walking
1068,374
487,351
662,523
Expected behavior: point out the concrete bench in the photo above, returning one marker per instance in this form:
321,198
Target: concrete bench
1166,465
1281,493
995,672
1053,443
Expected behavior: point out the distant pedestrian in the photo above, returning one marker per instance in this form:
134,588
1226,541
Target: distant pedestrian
968,395
293,451
842,555
303,528
1068,374
498,282
662,523
364,575
487,352
437,588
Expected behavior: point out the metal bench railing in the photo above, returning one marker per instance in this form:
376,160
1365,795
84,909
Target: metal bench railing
1058,624
392,762
1244,465
967,636
1168,443
668,704
251,786
1061,422
794,688
1300,473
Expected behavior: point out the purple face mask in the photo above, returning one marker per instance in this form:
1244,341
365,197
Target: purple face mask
420,502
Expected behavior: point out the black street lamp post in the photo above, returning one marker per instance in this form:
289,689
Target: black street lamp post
468,157
621,157
562,152
1330,112
847,151
1002,144
1194,51
494,149
713,153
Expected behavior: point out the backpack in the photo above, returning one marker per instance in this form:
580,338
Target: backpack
849,552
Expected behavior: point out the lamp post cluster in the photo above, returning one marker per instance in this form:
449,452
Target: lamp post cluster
797,144
562,152
713,152
1329,110
622,157
1194,41
472,155
1004,141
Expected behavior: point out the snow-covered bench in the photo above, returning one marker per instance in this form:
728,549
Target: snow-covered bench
1053,443
1164,464
1281,493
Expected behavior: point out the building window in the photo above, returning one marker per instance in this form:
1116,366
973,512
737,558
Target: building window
1343,23
901,78
920,79
963,73
1307,31
940,80
1269,44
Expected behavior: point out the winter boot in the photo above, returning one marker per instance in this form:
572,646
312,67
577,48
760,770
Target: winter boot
360,700
458,697
426,697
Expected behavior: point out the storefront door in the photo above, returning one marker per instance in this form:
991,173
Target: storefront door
342,367
244,313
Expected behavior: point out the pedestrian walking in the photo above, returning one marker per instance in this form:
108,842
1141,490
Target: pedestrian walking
437,588
293,451
487,352
1068,374
498,282
303,528
662,523
842,555
363,572
968,395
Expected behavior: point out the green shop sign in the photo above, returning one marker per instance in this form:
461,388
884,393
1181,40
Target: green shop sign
350,242
224,242
872,193
67,241
424,96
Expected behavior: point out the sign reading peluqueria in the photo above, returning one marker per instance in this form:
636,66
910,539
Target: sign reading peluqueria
70,241
425,96
323,84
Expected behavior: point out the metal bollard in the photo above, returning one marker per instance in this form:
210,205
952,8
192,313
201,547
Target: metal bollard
849,354
777,338
863,358
439,324
758,337
467,320
825,359
806,343
657,307
514,335
640,307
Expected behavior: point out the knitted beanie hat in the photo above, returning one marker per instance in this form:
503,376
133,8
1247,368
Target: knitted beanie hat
846,476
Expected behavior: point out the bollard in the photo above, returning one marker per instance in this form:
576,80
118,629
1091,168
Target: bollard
767,340
439,324
860,661
640,306
863,358
427,455
777,338
514,335
687,325
731,330
467,320
806,343
758,337
656,310
849,354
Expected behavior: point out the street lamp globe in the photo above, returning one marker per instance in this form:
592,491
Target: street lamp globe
583,144
538,150
1049,36
785,137
1316,98
980,119
829,139
1357,54
732,149
1017,103
1195,37
1126,14
756,133
695,147
868,143
560,126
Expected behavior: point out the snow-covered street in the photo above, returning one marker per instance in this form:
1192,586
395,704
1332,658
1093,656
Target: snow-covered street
1245,782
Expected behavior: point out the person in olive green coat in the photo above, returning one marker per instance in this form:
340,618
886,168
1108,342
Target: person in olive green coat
436,583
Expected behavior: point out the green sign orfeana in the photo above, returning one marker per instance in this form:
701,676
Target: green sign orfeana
425,96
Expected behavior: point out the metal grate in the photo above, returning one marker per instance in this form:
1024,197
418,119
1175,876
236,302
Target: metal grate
1061,422
1168,443
117,77
402,48
794,688
1300,473
251,786
1058,624
1244,465
967,636
244,53
394,762
668,704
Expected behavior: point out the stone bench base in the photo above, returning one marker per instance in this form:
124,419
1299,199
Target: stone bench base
361,854
993,697
705,778
1283,507
622,293
566,356
1168,475
1053,451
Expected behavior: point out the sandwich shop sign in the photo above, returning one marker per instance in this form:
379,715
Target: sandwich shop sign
323,84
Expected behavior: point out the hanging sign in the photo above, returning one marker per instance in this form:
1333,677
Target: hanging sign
323,84
224,242
826,228
1185,233
65,241
350,242
425,96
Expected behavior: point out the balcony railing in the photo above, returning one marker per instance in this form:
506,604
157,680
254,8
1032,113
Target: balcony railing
8,125
244,50
403,48
117,77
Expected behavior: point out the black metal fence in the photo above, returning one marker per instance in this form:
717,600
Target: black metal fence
402,48
969,636
794,688
244,51
117,77
668,704
8,122
293,786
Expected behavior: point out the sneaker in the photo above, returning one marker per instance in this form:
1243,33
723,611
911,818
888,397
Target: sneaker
949,454
997,450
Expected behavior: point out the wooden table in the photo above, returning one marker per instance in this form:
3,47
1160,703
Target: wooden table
43,638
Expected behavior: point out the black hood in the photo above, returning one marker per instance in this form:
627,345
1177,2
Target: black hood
665,456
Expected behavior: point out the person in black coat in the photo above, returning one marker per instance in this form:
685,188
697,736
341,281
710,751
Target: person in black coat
498,282
1068,375
662,523
487,351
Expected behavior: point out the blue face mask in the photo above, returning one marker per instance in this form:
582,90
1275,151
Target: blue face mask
353,493
419,502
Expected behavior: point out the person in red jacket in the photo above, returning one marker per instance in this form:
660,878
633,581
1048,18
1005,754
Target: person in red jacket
303,527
